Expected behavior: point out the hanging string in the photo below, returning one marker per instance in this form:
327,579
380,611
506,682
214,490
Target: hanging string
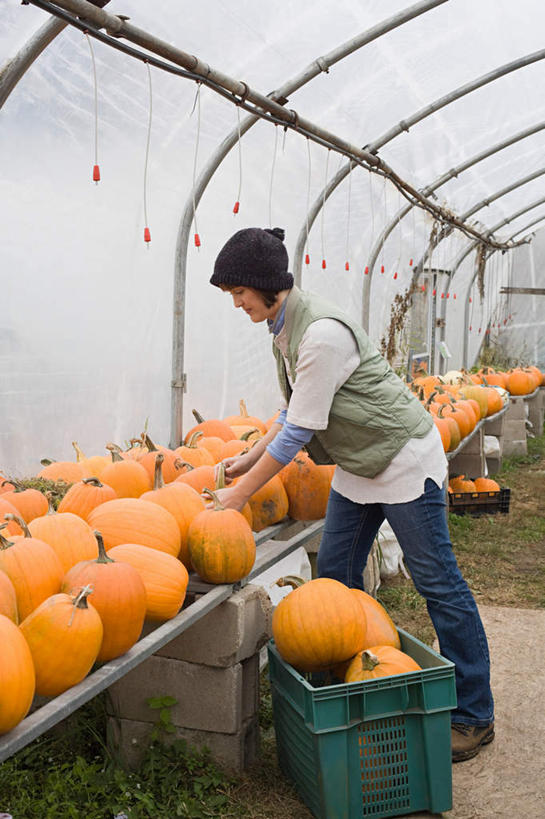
307,253
147,234
323,211
236,206
385,218
196,104
372,207
96,168
272,174
347,263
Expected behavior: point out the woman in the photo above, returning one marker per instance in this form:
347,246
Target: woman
344,403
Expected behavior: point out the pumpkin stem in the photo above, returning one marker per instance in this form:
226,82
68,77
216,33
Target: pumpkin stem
292,580
47,461
102,556
179,463
4,542
243,410
197,416
149,443
369,661
16,486
192,443
80,601
79,454
93,481
246,435
220,476
51,509
158,482
218,506
115,453
20,521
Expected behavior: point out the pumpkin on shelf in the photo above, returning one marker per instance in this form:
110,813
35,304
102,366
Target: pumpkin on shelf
66,471
126,476
198,477
133,520
193,454
30,503
118,594
318,624
84,496
17,676
520,382
221,544
243,419
165,578
269,504
213,444
70,537
94,465
169,470
8,598
64,635
10,524
379,661
220,484
307,486
213,427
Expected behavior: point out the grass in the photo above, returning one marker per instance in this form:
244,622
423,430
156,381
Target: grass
70,771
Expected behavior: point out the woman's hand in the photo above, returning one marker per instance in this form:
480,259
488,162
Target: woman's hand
238,465
230,498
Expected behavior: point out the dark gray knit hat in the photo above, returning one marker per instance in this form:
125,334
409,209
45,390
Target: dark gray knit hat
254,258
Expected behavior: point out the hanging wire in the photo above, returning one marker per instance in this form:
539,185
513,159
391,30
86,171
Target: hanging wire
307,253
372,208
236,206
347,263
147,234
272,174
398,262
197,104
96,167
323,210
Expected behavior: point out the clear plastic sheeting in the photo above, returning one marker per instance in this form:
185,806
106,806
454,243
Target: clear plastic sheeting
86,324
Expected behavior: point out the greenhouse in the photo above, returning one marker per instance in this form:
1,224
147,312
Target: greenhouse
198,538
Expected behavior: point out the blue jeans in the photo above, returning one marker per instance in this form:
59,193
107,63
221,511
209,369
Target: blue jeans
422,532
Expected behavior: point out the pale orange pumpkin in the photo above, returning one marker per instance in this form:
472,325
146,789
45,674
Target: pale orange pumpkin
92,466
165,578
127,477
86,495
70,537
192,454
380,628
30,503
132,520
17,676
213,427
198,477
307,487
379,661
170,470
8,598
245,420
66,471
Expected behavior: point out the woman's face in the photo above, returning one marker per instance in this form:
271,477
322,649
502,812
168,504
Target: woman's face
252,304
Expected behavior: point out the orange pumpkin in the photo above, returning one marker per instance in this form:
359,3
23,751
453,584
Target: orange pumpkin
486,485
70,537
165,578
147,460
17,676
454,429
126,476
379,661
462,484
181,500
269,504
213,444
495,403
8,598
214,427
519,382
318,624
33,568
10,525
198,477
64,635
86,495
245,420
132,520
119,596
380,628
194,455
30,503
66,471
444,431
94,466
221,544
307,487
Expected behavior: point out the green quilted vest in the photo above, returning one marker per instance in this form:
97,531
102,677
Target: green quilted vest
372,415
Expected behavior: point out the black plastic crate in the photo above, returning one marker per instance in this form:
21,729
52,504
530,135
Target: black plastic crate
479,503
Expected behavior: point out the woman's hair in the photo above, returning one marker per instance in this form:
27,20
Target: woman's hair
269,296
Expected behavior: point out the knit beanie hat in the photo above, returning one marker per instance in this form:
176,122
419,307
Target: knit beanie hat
253,257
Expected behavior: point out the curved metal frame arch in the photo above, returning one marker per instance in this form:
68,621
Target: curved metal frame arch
404,125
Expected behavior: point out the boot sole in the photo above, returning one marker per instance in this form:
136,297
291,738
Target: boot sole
461,756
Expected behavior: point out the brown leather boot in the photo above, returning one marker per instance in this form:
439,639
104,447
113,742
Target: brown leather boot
468,739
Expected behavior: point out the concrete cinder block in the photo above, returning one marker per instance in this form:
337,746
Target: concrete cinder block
128,739
250,688
515,448
471,465
517,409
495,426
208,698
230,633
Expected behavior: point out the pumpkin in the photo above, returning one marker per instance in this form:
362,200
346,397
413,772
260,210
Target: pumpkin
29,503
380,628
214,427
236,447
33,568
70,537
66,471
307,487
495,401
198,477
118,594
86,495
454,429
181,500
132,520
17,676
269,504
220,484
460,416
444,431
170,470
127,477
93,466
270,421
194,455
213,444
246,432
221,544
379,661
318,624
486,485
478,394
10,525
519,382
538,375
165,578
64,635
8,598
245,420
462,484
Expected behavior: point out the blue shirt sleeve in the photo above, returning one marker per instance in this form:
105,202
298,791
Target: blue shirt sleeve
285,446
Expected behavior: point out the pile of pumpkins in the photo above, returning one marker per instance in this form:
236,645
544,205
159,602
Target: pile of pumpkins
77,583
323,626
459,483
458,400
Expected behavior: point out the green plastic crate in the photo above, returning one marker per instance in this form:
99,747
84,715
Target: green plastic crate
376,748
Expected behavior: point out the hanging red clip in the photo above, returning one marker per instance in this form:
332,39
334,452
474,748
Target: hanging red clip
236,206
347,266
382,268
454,296
448,295
442,295
395,275
366,271
423,288
410,262
479,329
96,174
470,299
470,328
307,259
323,264
434,292
147,235
197,240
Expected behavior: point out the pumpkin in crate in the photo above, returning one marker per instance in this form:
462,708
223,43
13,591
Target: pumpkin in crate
86,495
307,487
379,661
118,594
64,635
462,484
126,476
70,537
165,578
486,485
380,628
17,676
133,520
221,544
8,598
33,568
30,503
269,504
319,624
181,500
